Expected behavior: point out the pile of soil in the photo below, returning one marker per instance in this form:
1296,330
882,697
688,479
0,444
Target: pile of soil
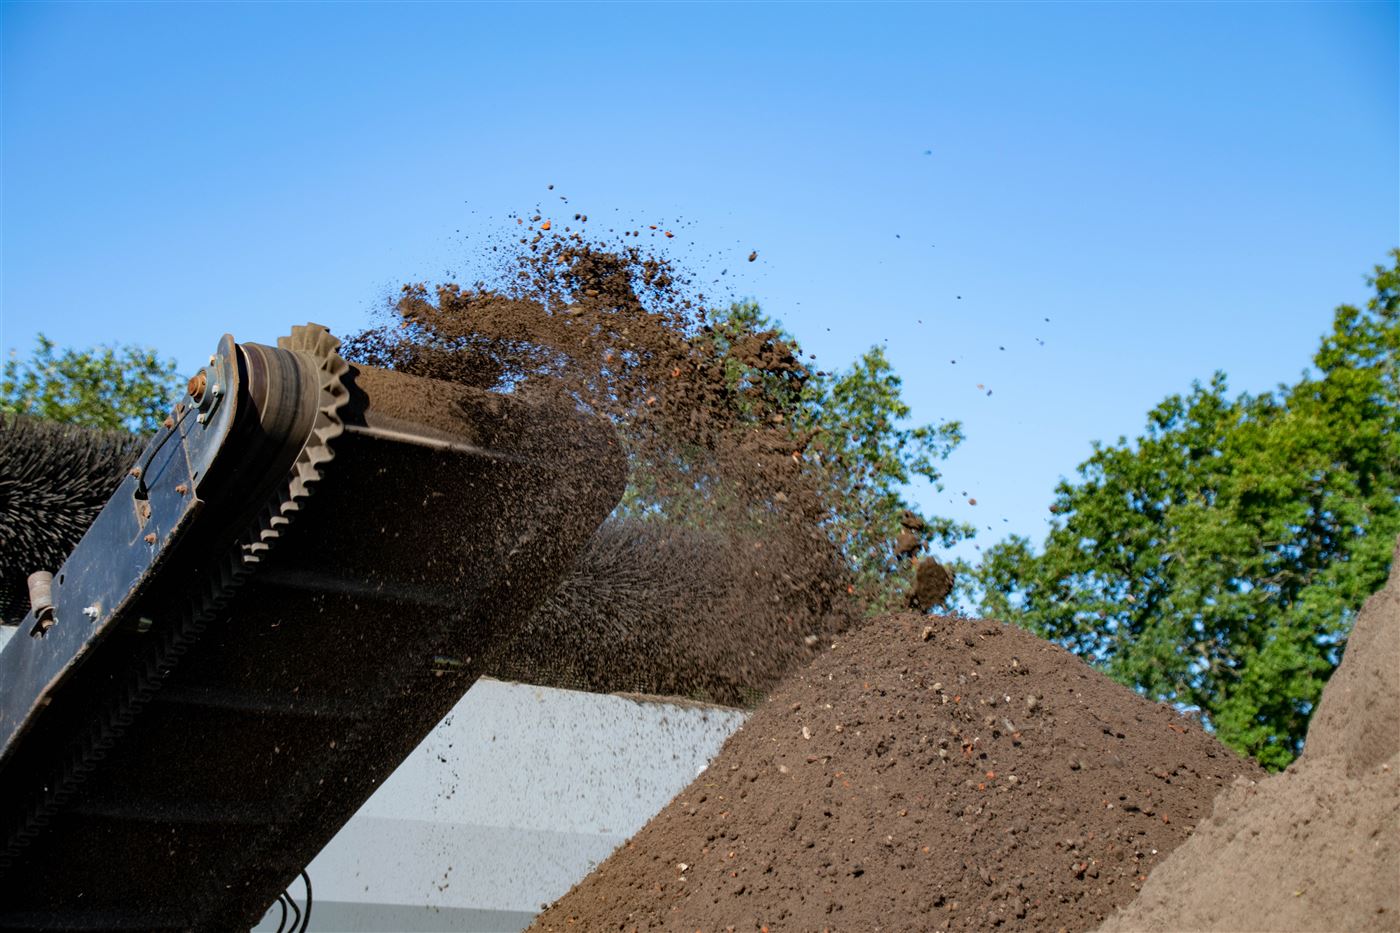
1318,846
923,773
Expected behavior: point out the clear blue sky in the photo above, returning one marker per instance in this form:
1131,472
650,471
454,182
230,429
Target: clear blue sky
1179,188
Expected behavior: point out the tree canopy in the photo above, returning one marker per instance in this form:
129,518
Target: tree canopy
1218,560
128,387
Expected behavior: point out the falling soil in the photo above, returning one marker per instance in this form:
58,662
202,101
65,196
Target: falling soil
932,584
721,569
1318,846
923,773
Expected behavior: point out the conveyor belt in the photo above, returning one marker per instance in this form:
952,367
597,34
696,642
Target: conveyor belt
264,622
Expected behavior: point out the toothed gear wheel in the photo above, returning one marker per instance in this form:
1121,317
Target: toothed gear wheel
315,342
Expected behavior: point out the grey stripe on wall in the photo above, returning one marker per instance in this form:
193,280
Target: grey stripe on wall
349,917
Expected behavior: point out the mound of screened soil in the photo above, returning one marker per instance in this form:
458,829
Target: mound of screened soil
1318,846
924,773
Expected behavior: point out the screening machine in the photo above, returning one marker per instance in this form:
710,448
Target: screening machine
290,588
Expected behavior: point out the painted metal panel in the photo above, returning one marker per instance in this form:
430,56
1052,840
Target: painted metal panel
511,800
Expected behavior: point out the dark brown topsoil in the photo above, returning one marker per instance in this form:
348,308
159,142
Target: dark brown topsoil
923,774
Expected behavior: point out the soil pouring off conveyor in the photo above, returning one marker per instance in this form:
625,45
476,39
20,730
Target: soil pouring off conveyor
288,591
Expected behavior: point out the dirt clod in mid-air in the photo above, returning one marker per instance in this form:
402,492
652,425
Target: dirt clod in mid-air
932,584
925,773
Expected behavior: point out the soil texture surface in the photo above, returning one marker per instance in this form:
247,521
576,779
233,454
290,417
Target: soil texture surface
924,773
1318,846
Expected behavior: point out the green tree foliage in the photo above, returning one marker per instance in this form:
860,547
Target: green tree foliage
1218,561
127,387
857,426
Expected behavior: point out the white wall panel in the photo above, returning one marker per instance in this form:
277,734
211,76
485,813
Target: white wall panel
513,798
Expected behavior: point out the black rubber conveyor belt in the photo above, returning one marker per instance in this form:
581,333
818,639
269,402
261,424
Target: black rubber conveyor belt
296,582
